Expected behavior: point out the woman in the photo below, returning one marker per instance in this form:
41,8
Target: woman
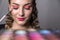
22,16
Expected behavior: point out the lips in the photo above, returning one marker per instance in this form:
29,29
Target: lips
21,19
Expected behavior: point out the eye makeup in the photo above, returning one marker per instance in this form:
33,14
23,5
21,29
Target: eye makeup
27,7
15,7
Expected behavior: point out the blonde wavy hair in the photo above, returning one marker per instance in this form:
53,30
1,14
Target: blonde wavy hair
33,21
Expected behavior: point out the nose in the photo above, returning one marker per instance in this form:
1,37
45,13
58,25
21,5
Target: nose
21,12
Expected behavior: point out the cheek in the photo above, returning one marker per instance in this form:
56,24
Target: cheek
28,13
14,12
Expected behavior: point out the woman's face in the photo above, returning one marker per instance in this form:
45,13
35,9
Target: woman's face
20,10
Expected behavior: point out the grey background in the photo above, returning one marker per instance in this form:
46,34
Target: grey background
49,13
3,9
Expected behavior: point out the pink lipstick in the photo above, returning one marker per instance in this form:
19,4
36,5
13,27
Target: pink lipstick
21,19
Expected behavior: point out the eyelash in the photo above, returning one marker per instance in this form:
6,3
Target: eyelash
25,8
15,8
28,8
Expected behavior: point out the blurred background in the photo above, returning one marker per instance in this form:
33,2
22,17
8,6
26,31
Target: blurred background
49,13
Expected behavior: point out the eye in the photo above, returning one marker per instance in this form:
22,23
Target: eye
27,7
15,7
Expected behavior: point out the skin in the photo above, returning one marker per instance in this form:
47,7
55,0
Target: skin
20,9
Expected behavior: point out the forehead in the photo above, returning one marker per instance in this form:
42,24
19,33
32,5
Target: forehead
21,1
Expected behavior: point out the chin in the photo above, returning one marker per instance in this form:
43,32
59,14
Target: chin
21,23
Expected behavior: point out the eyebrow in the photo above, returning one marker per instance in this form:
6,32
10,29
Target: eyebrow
16,4
24,5
27,3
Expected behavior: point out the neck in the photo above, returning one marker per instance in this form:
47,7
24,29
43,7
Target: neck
16,26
